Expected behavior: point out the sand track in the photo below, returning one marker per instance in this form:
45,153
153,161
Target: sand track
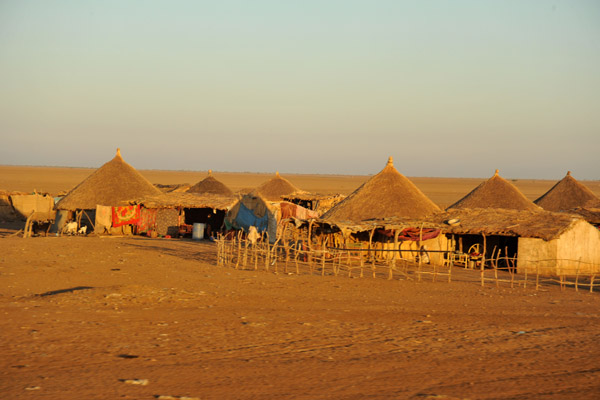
81,316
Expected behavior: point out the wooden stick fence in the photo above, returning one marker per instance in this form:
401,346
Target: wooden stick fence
291,255
295,257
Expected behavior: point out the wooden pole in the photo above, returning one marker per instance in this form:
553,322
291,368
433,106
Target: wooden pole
577,275
89,219
537,276
371,252
239,253
419,252
483,261
392,265
309,245
324,250
27,229
495,264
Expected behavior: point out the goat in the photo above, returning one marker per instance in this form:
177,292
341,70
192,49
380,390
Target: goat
70,228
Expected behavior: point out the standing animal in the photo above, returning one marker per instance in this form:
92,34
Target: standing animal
70,228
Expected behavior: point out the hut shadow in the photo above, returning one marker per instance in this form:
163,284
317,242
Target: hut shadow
61,291
191,250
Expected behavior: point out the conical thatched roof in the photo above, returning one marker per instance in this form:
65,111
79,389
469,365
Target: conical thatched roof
387,194
210,185
110,185
273,189
496,192
568,193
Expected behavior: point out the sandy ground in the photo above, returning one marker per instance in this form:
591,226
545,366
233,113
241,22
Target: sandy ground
89,317
138,318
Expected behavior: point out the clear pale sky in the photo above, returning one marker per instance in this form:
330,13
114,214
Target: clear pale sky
448,88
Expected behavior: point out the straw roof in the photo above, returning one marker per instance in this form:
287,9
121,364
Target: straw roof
210,185
590,214
187,200
113,184
496,192
275,188
540,224
387,194
566,194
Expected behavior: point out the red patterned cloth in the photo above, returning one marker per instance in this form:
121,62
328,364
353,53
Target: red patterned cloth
147,220
125,215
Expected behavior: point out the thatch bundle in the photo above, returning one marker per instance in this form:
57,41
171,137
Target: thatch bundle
210,185
387,194
113,184
540,224
188,200
496,192
504,222
567,194
590,214
275,189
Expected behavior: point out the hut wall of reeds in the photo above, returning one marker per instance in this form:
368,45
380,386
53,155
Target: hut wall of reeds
575,251
7,213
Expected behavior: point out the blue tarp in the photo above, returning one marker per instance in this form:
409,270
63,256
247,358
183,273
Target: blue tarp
246,218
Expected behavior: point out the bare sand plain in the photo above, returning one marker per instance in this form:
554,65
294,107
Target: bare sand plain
140,318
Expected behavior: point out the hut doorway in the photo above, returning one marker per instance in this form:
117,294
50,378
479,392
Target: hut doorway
497,247
211,217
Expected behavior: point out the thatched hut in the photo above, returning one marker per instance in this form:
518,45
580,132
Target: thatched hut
186,210
533,241
210,185
113,184
498,200
274,189
567,194
387,194
498,193
386,213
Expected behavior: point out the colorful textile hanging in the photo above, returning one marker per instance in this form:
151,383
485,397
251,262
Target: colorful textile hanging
103,216
125,215
147,220
289,210
414,234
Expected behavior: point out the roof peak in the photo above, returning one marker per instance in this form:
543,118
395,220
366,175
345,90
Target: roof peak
390,161
496,172
118,152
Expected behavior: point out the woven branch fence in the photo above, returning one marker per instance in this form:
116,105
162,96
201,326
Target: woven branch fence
294,257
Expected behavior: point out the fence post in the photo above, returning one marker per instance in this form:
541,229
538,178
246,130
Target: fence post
483,261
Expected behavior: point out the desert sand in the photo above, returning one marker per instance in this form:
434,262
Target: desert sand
139,318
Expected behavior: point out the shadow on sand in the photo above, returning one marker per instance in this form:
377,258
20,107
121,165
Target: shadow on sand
68,290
